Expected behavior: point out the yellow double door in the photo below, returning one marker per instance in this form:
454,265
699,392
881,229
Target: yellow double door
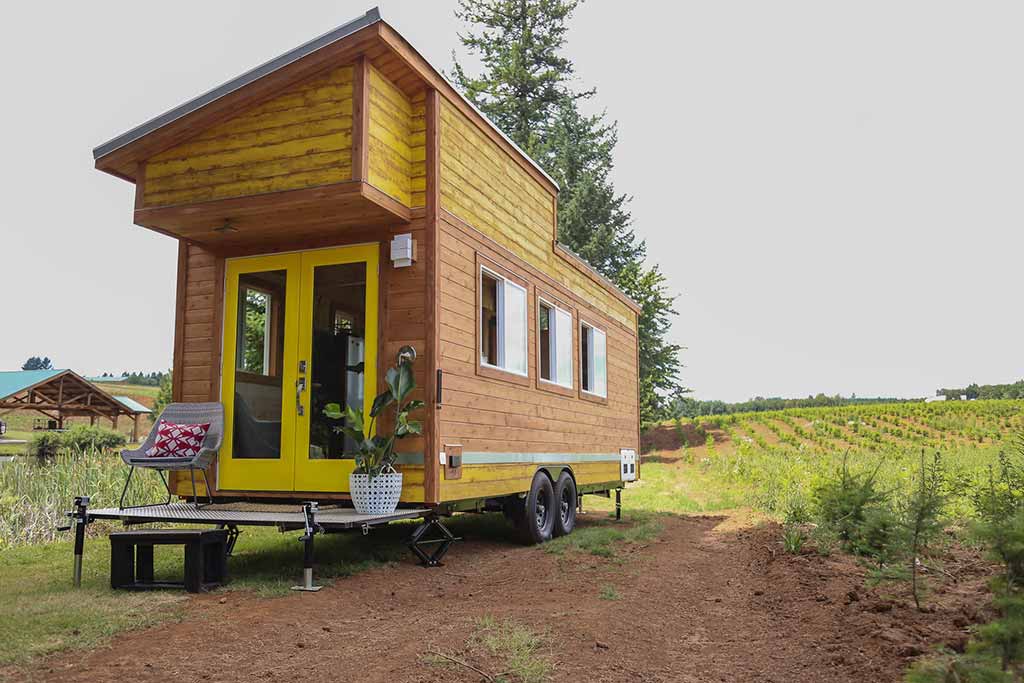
300,333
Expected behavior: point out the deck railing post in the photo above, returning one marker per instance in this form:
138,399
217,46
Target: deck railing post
309,513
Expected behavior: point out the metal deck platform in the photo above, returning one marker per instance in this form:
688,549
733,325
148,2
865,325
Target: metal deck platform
285,517
308,517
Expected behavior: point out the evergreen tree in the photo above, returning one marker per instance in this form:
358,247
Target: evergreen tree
525,88
37,363
593,220
524,78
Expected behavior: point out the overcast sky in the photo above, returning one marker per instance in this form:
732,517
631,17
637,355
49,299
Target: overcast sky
833,189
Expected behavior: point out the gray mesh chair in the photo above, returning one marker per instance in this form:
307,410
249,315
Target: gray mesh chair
180,413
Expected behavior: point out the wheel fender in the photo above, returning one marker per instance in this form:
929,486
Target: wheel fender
553,471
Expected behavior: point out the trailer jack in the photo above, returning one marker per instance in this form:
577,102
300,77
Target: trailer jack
79,519
309,511
419,543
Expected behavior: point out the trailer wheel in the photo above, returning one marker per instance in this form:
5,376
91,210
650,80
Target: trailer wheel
565,502
539,511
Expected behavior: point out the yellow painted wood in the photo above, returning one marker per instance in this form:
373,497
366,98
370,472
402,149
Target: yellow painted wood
295,470
253,474
332,475
480,184
301,138
396,137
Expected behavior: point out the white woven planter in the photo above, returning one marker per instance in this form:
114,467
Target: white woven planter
377,497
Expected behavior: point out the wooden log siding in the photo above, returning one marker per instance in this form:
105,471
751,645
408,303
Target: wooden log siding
302,138
396,138
485,187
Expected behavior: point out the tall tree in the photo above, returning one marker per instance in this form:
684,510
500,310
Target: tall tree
524,78
37,363
525,86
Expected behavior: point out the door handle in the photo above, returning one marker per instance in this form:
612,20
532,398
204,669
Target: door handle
300,386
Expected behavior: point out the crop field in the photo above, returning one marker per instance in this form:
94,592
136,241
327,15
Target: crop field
771,460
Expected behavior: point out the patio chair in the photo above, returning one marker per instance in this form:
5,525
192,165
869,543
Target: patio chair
179,413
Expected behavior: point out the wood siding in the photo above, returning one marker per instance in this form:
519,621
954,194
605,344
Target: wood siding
488,414
301,138
484,186
197,339
403,321
396,141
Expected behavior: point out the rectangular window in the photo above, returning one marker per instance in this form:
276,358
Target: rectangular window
555,327
502,324
255,327
593,360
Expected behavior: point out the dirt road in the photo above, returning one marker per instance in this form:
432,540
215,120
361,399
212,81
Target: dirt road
706,601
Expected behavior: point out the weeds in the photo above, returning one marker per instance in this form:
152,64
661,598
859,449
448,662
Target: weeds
34,495
517,646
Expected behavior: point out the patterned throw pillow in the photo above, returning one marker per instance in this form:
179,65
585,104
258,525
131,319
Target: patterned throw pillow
177,441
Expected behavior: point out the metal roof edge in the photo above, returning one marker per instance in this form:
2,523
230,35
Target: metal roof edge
369,18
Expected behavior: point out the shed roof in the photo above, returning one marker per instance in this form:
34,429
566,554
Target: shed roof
132,405
12,382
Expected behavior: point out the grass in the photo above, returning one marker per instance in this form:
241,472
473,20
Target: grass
517,647
34,495
603,540
609,592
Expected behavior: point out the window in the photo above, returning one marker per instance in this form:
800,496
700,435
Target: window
502,323
555,326
255,324
593,360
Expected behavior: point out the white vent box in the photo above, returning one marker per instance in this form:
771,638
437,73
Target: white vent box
627,464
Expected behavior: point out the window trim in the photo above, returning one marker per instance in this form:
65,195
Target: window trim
586,394
483,369
543,298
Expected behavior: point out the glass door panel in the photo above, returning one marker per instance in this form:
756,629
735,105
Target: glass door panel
259,373
338,327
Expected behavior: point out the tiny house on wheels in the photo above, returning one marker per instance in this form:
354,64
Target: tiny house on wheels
344,201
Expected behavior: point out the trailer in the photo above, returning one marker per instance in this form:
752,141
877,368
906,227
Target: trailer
343,201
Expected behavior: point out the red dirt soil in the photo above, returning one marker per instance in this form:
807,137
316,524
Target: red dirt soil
709,600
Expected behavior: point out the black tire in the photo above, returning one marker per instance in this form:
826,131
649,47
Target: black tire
539,511
565,505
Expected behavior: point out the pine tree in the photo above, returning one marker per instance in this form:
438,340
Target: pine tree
524,77
526,88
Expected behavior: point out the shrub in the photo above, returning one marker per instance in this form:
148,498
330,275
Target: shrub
842,501
81,438
77,439
45,445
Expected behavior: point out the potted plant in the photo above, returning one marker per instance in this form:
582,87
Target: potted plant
374,484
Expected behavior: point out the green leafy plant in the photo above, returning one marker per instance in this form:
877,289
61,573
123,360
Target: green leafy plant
375,454
793,538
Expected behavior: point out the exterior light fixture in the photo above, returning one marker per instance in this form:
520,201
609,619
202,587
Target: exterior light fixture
403,250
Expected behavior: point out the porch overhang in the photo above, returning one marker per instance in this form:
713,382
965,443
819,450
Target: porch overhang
292,215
